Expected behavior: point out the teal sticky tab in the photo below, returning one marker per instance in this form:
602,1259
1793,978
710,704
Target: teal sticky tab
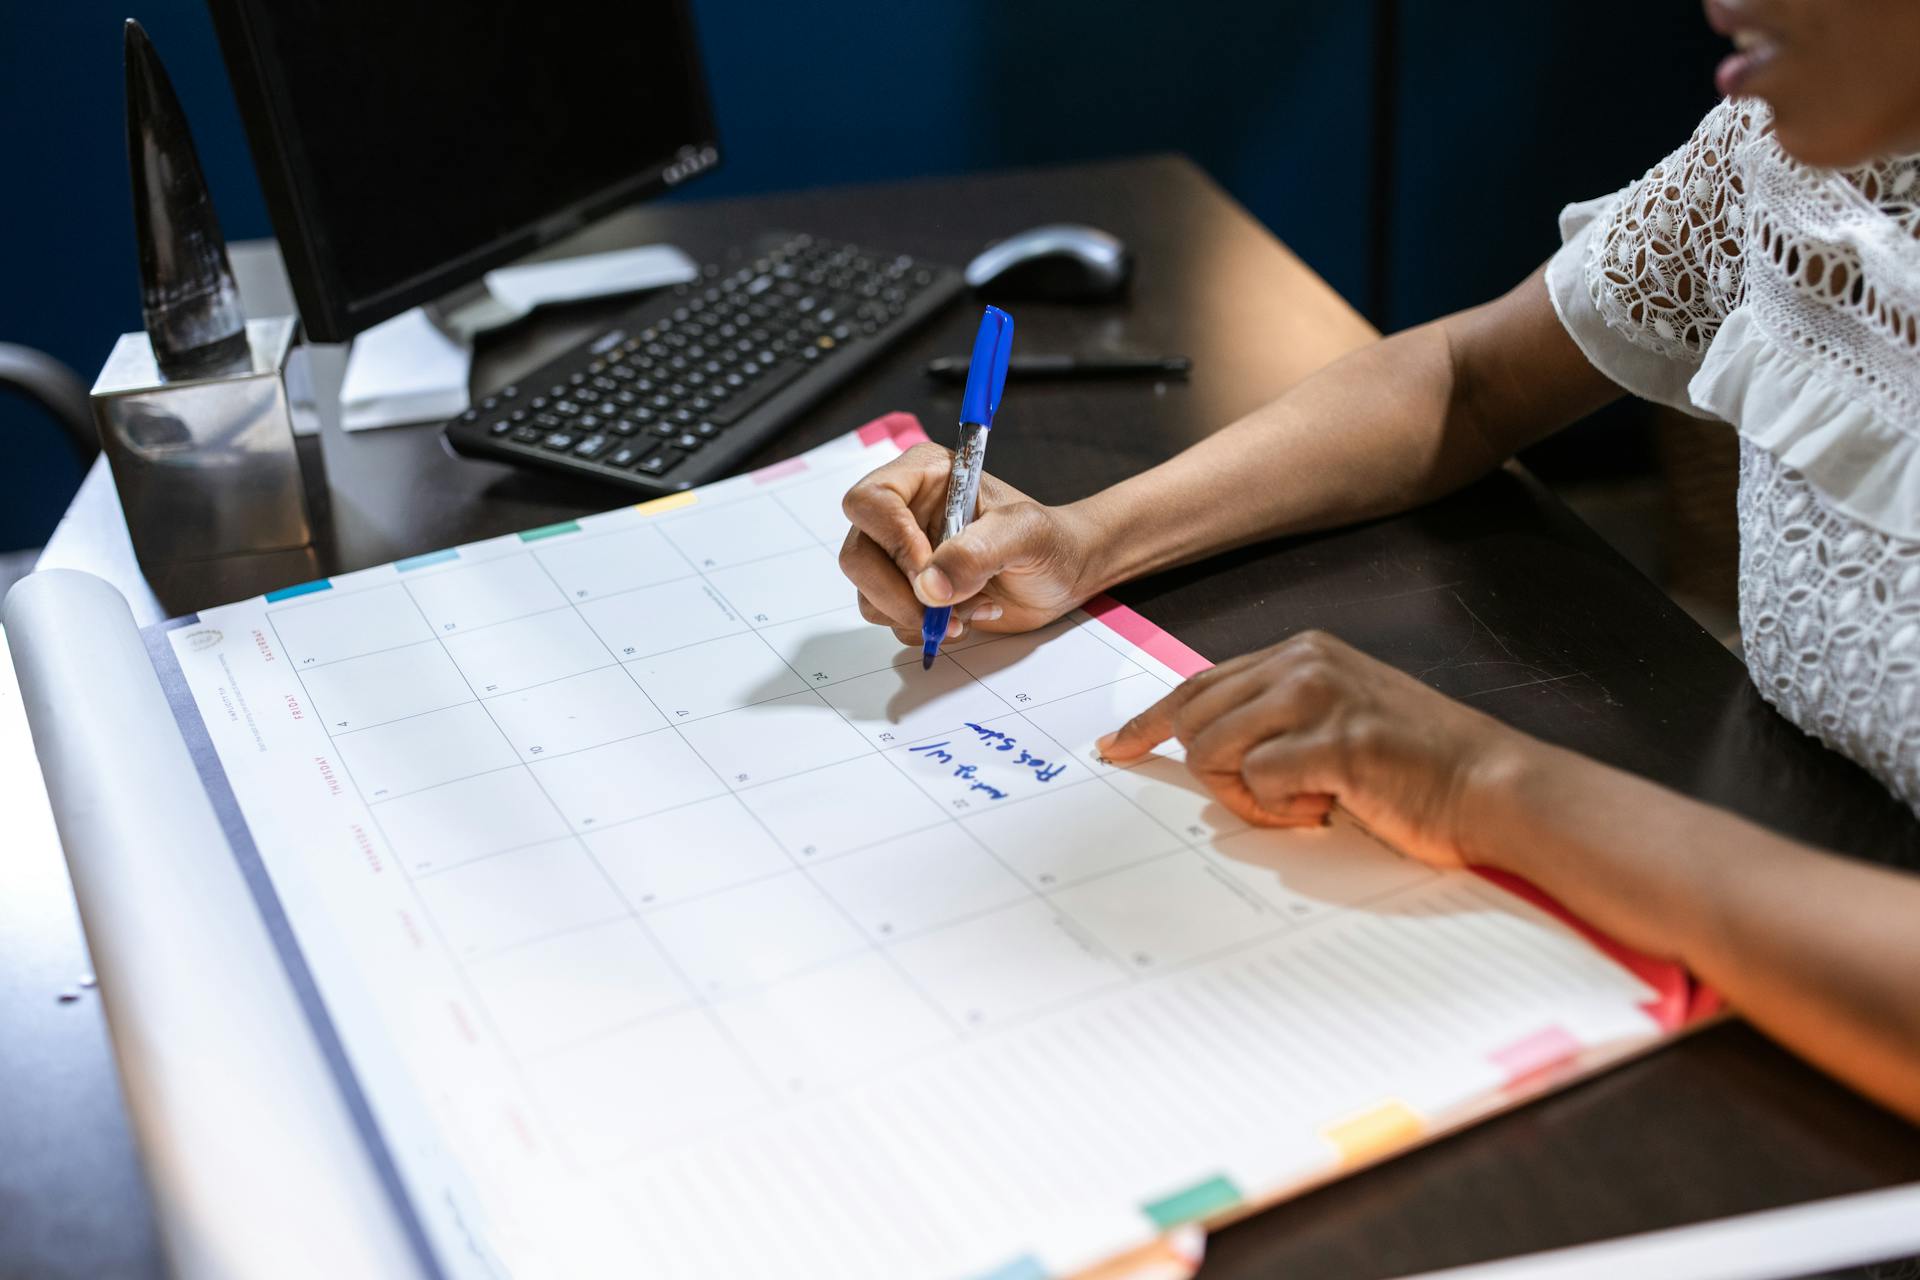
1198,1201
1023,1268
431,557
550,531
304,589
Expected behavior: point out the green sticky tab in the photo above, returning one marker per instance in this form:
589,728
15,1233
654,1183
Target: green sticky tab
1200,1200
1026,1267
551,531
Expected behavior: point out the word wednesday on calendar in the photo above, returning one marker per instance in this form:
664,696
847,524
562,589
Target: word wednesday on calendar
667,919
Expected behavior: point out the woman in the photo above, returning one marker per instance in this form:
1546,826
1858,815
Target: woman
1767,274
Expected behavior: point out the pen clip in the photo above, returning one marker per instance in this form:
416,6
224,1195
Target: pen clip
987,372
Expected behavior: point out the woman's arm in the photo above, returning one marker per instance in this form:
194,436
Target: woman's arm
1388,427
1821,953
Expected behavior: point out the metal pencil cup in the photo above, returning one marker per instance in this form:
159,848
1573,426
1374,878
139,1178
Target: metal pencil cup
205,466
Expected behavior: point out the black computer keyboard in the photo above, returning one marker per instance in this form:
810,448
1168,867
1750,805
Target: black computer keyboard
682,389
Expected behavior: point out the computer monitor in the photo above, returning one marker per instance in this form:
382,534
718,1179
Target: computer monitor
406,148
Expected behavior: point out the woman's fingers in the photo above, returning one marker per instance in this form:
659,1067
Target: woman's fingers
892,505
962,566
885,597
1294,774
1165,718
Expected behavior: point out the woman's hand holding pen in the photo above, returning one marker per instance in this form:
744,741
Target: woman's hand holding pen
1018,566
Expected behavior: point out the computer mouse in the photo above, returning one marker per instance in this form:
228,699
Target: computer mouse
1062,262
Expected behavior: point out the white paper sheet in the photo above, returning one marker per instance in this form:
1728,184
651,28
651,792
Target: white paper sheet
1795,1243
672,919
404,370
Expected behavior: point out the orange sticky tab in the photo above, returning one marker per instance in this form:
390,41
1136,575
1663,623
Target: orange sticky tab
672,502
1374,1132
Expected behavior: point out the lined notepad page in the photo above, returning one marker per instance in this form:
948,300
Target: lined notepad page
674,922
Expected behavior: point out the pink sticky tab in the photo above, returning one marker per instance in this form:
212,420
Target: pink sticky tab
1538,1052
792,466
1134,629
902,428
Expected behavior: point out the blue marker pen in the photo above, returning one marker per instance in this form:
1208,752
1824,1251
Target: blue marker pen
986,377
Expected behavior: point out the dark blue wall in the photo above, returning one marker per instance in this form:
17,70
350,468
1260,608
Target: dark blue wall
1505,110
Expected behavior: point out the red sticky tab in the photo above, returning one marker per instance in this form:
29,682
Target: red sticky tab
1541,1051
1134,629
902,428
1675,1001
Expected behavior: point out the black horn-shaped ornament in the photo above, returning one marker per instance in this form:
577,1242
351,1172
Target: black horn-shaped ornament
187,291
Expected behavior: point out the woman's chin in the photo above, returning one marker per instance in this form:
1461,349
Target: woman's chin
1825,147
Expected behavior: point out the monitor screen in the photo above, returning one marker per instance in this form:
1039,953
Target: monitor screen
405,149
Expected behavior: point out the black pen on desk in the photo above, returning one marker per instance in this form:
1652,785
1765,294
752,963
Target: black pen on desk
954,368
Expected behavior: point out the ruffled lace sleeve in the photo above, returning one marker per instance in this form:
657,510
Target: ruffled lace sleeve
1646,275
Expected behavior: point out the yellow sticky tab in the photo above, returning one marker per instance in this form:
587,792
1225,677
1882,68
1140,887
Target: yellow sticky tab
672,502
1374,1132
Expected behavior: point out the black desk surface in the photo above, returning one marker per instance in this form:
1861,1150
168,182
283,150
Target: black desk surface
1497,595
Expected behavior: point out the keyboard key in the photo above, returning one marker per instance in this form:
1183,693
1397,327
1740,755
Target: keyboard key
746,400
499,428
560,441
687,440
660,462
624,456
623,426
591,447
527,435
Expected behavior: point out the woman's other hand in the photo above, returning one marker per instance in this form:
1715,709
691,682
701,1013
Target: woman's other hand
1280,735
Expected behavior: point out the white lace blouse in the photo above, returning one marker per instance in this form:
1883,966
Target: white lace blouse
1735,283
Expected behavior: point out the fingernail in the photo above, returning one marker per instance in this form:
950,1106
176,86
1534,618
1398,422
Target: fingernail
933,587
955,628
986,612
1104,743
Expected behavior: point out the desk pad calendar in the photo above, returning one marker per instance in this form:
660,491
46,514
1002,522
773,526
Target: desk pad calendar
659,915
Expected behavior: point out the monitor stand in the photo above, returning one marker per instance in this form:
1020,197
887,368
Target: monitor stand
506,294
414,367
466,313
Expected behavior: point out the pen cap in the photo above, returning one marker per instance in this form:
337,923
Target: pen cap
987,373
